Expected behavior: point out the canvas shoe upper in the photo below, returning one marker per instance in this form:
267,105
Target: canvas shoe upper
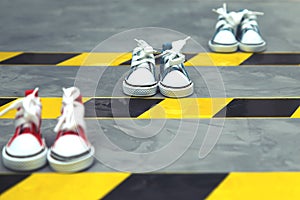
248,33
224,39
174,79
141,80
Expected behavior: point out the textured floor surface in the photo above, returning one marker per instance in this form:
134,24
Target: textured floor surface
77,26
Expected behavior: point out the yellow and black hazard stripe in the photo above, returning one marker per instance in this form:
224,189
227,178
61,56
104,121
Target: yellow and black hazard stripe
169,108
116,185
261,107
124,58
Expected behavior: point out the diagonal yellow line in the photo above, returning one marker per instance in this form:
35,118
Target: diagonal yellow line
10,114
65,186
186,108
7,55
218,59
272,185
296,114
97,59
51,107
86,99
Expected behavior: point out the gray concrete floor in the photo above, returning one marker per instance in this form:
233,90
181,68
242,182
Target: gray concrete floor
40,25
244,145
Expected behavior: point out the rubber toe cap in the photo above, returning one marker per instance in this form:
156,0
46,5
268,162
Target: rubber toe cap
225,37
70,145
24,145
141,76
175,79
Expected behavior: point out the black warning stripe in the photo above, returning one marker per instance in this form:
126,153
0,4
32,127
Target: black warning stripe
188,56
273,59
4,101
118,107
166,186
38,58
283,107
9,180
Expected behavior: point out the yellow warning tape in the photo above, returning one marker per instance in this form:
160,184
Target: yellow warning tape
249,186
97,59
7,55
296,113
96,185
65,186
168,108
186,108
117,58
218,59
51,107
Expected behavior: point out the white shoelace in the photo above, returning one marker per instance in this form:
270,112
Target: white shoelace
250,19
67,120
144,45
28,109
145,55
174,55
234,18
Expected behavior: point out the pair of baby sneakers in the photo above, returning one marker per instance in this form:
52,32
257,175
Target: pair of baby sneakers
26,150
173,81
237,30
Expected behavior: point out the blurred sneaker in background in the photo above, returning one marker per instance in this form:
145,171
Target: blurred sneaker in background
237,30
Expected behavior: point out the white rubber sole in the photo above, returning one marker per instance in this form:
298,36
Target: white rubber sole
223,48
73,165
176,92
253,48
24,164
139,91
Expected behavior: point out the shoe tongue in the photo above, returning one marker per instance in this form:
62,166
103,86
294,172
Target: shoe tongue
69,133
234,18
27,128
28,92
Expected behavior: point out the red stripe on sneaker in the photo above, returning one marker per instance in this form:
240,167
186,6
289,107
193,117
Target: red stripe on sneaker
28,92
17,132
80,132
79,99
